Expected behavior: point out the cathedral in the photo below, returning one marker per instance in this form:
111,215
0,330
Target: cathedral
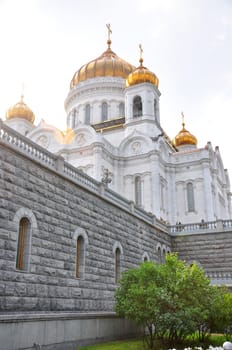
114,134
78,207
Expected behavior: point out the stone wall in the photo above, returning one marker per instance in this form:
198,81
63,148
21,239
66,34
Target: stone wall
59,209
59,331
212,251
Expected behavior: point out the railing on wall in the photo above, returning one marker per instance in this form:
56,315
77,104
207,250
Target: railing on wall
216,275
201,227
25,146
56,163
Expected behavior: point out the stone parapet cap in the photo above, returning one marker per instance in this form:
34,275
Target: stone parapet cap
49,316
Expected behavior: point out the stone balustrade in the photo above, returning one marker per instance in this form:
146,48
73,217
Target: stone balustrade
201,227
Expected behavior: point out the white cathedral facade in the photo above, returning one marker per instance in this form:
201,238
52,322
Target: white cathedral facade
114,134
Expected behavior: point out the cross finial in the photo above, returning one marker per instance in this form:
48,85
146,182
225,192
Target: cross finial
182,115
22,94
109,32
141,53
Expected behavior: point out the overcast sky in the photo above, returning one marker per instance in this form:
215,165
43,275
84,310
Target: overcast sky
186,43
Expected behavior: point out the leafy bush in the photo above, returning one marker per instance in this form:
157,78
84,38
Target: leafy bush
170,301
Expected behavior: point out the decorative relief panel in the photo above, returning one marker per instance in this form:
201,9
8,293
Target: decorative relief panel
81,139
136,147
43,141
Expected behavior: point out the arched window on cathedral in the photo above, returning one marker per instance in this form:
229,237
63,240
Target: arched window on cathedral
121,109
117,265
145,257
159,253
190,197
138,191
80,254
137,107
87,114
24,245
104,111
163,255
74,116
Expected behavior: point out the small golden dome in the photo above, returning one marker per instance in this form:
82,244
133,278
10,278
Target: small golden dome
20,110
184,137
107,65
142,74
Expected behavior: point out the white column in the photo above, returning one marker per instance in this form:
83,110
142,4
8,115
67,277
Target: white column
97,163
155,193
171,197
208,192
116,177
216,197
144,97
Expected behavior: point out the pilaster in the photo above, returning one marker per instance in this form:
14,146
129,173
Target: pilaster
208,192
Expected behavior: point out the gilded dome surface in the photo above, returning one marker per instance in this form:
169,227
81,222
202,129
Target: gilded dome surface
142,74
184,137
20,110
106,65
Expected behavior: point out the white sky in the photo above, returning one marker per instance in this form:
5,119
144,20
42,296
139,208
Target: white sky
186,43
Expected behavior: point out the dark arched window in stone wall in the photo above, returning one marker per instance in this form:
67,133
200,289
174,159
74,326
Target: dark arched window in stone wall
80,257
159,253
163,255
24,242
117,265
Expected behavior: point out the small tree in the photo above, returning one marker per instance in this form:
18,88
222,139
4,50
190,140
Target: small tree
186,299
137,297
166,300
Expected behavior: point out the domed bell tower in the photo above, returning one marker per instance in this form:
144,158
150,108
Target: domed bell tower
142,100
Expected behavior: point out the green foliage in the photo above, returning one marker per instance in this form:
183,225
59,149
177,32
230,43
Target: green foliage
171,300
221,314
137,295
117,345
214,340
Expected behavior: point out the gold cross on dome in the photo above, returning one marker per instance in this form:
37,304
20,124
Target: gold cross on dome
182,115
109,30
141,50
141,53
22,94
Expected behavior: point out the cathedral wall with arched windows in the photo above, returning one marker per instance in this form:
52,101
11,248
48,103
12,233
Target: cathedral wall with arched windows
90,92
76,236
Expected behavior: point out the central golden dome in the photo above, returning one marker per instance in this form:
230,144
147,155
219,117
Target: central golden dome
106,65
